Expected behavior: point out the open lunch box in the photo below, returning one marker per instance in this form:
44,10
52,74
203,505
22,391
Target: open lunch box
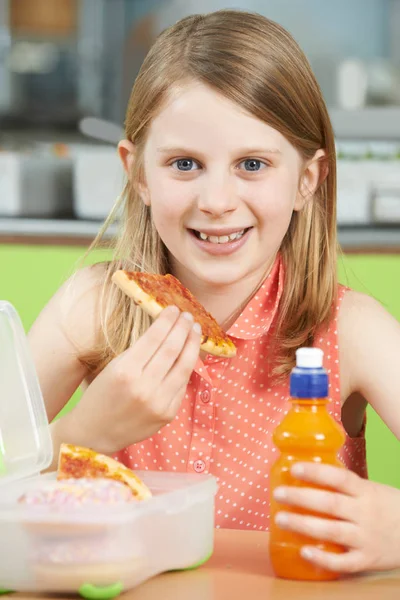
96,551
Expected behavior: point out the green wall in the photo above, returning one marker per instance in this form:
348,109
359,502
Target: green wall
44,268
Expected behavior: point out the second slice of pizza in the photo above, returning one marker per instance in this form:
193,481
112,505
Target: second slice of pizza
153,293
76,462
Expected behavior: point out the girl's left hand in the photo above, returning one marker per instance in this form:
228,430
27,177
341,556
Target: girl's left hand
364,517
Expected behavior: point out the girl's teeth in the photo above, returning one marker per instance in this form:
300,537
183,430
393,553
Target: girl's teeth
222,239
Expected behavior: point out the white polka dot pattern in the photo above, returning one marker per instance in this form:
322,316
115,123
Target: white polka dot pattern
231,408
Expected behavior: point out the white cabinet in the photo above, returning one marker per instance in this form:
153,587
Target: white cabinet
35,184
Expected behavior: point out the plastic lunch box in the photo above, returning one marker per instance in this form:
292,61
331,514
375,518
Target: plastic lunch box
97,552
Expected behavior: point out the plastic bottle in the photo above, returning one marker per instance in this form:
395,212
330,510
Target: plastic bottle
308,434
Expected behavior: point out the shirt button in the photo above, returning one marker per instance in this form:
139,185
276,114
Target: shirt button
209,358
199,466
205,396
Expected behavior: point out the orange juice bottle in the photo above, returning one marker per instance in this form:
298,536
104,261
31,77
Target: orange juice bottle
308,434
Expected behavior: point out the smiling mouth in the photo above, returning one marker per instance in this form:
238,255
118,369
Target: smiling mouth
220,239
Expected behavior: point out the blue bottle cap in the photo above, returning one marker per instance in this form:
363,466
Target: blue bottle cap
309,379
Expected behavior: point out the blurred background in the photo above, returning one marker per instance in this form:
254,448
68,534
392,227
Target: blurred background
67,68
66,71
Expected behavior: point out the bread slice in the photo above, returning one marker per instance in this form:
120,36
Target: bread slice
77,462
153,293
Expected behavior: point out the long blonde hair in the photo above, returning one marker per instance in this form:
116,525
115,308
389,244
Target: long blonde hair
258,65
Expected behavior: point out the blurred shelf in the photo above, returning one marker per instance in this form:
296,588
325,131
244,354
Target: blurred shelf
370,239
381,123
381,239
71,232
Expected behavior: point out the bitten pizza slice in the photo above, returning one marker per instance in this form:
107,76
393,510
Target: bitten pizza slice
153,293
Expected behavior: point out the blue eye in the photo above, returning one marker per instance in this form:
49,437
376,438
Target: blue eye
252,165
186,164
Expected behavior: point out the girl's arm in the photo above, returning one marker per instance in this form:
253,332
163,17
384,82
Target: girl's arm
69,318
369,345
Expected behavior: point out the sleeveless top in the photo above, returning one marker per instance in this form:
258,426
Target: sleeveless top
231,408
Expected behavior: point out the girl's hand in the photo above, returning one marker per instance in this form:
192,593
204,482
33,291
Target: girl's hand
141,390
366,518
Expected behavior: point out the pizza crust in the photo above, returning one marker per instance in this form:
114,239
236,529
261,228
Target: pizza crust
221,349
224,348
134,291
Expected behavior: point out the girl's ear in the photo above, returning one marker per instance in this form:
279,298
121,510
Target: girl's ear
126,151
127,154
315,173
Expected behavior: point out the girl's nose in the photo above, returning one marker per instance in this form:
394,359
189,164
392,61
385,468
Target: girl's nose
217,197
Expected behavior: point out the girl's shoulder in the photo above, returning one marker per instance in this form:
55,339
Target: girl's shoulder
73,310
360,316
90,277
80,299
353,303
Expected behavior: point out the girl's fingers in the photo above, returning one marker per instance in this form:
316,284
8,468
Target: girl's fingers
347,562
159,365
180,373
321,501
148,344
336,478
328,530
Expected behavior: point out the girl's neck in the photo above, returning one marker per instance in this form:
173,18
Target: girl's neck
224,302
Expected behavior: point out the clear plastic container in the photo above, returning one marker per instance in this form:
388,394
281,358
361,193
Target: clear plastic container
97,551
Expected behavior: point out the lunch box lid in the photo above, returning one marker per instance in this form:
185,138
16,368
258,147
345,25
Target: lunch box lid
25,442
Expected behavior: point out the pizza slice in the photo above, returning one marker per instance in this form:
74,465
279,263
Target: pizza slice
153,293
76,462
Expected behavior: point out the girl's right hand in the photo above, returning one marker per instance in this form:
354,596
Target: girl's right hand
141,390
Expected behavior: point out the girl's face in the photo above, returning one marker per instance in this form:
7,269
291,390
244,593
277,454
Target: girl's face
222,186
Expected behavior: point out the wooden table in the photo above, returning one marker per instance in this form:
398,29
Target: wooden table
240,570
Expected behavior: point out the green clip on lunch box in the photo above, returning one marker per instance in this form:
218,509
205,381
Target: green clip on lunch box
98,551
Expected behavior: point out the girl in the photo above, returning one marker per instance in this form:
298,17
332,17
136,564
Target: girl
230,159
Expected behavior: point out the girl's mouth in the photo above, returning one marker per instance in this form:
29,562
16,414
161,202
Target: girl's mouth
220,239
220,244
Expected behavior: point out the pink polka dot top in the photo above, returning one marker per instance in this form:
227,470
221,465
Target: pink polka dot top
231,408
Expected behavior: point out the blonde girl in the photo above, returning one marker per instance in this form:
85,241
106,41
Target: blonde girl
231,186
